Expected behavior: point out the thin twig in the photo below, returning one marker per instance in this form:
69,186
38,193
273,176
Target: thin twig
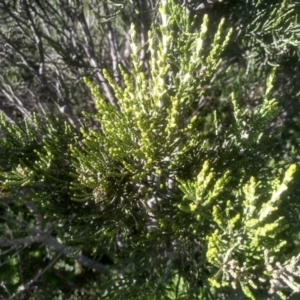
22,288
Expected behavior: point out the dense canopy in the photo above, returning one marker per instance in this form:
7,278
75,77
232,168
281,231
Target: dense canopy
149,149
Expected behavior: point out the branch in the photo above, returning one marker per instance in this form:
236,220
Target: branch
21,288
22,241
112,44
90,52
54,245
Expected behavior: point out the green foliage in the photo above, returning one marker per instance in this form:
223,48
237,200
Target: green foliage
182,196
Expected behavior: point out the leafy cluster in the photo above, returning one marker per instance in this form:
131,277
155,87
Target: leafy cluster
181,194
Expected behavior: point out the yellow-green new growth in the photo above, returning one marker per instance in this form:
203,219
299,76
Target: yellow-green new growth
257,234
